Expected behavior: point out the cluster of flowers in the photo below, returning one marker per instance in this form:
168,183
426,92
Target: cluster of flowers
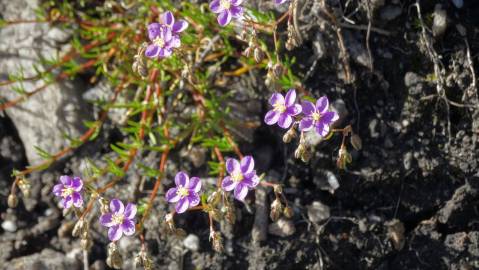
285,110
121,220
165,35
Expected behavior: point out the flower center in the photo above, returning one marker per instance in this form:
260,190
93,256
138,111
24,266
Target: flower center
183,192
67,192
225,4
158,41
316,116
279,107
117,218
237,176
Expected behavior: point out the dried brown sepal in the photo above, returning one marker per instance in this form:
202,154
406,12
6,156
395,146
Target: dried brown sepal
344,158
142,259
289,135
276,210
214,198
278,189
81,228
217,241
170,222
258,54
356,141
288,212
278,70
114,259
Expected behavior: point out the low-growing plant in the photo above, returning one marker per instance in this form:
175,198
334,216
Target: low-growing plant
161,56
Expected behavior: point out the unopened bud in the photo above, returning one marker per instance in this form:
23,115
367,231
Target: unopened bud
278,70
276,210
356,142
114,259
12,200
258,55
288,212
289,135
217,241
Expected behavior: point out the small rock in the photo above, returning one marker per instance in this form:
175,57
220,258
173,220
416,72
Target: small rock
192,242
282,228
318,212
9,226
390,13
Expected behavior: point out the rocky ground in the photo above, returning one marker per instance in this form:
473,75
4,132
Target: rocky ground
409,200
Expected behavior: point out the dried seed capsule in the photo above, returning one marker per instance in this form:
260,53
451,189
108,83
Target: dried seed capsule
298,153
289,135
114,259
278,189
248,52
86,243
278,70
356,142
258,54
214,198
288,212
276,210
12,200
217,240
80,228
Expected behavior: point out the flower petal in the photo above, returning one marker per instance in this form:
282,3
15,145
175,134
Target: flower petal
329,117
116,206
152,51
195,184
175,42
241,191
224,17
227,184
166,34
105,220
165,52
271,117
115,233
128,227
247,164
322,104
236,2
66,180
77,199
252,181
172,195
180,26
294,110
167,18
279,2
182,179
290,98
194,199
276,98
232,165
322,129
77,183
285,120
306,124
216,7
67,202
57,189
182,205
130,211
308,107
154,30
236,12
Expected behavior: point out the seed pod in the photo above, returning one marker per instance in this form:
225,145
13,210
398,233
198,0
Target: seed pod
298,153
306,156
288,212
258,55
86,243
289,135
248,52
214,198
80,228
12,200
278,189
356,141
170,222
217,240
276,210
114,259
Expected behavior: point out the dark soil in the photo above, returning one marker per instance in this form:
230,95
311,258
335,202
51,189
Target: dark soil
418,167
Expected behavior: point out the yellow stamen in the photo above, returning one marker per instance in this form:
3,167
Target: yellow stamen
225,4
279,107
183,192
158,41
316,117
67,192
237,176
117,218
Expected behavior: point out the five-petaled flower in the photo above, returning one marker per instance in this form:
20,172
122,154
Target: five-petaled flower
284,108
242,177
185,194
226,9
69,190
279,2
317,116
120,220
164,36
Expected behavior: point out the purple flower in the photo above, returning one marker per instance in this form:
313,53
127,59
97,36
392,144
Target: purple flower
120,220
226,10
167,19
283,110
164,38
69,191
318,116
185,194
242,177
279,2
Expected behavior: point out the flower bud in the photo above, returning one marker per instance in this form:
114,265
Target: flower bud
278,70
114,259
288,212
356,142
217,240
258,55
12,200
289,135
276,210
